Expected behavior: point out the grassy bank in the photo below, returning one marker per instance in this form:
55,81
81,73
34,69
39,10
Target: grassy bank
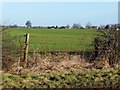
95,78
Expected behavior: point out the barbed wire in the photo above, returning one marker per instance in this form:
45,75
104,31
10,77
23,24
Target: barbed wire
64,36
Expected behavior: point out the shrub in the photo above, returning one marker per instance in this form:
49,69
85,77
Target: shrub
9,49
108,45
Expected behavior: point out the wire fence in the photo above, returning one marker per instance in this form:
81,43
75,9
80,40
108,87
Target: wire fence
15,45
60,43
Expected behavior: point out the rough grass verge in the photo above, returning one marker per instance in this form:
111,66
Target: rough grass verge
90,79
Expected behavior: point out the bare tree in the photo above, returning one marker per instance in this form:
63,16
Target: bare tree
88,25
76,25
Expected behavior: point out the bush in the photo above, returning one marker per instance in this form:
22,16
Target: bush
9,46
108,45
9,49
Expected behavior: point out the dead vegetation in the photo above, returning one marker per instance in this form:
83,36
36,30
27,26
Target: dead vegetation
60,63
42,64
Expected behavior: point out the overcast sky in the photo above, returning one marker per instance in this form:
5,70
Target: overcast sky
59,13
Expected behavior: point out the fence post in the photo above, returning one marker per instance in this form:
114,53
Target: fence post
26,49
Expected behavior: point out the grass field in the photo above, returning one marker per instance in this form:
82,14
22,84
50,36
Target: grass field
57,39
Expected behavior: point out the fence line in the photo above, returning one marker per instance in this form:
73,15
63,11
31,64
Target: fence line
47,45
77,50
56,45
63,36
61,43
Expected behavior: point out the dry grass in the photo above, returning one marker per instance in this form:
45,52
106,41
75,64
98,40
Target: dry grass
38,63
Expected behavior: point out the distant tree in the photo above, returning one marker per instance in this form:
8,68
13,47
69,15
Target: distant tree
28,24
68,26
102,27
107,27
56,27
15,26
76,25
62,27
88,25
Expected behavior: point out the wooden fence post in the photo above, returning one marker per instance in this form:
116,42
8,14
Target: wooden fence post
26,49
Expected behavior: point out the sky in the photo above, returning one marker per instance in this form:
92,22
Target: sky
59,13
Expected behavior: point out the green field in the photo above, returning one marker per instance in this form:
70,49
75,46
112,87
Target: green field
56,39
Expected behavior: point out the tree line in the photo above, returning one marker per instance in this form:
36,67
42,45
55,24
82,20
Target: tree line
28,24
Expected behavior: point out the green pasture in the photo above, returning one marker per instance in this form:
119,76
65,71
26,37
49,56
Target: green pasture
56,39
